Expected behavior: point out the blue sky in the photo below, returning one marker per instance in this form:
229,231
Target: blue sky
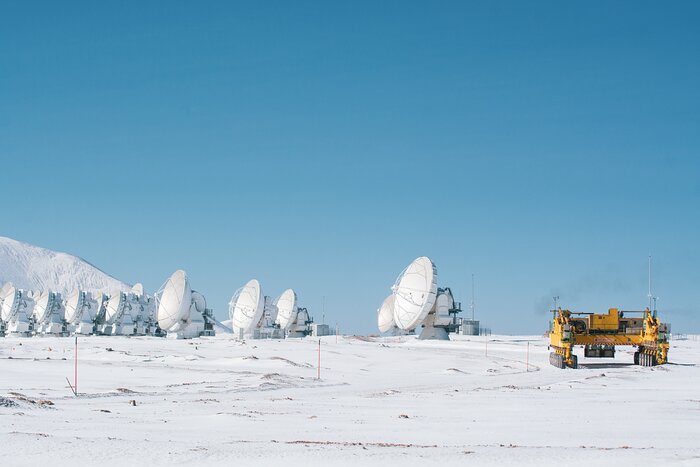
546,147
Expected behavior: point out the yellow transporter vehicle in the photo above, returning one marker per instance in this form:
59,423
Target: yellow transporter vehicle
601,333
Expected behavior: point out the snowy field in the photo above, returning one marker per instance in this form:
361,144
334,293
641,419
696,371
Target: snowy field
394,401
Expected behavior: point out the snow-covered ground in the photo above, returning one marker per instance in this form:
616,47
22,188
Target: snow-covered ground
394,401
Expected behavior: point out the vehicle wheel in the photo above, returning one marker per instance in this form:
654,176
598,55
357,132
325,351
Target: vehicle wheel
574,362
636,358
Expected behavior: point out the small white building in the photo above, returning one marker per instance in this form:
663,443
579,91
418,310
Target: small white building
469,327
318,330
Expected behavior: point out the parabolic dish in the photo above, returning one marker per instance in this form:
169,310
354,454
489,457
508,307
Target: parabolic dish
5,290
246,307
200,303
174,302
72,306
286,307
42,307
9,302
101,300
385,316
415,292
114,306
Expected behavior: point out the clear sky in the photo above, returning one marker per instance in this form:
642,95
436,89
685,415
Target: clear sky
547,147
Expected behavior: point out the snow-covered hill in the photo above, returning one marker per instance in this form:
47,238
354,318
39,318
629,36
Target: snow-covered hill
35,268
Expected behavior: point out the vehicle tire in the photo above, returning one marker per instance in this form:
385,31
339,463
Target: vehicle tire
574,362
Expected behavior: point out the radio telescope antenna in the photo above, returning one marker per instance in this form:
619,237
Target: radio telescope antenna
417,301
416,291
82,311
17,310
10,298
182,312
174,303
286,309
49,313
385,314
5,291
138,289
246,308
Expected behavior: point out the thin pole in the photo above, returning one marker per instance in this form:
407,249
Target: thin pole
75,366
318,375
649,294
336,333
527,357
472,303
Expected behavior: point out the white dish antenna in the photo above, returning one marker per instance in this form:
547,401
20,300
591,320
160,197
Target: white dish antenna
174,302
16,301
115,307
102,299
415,291
5,290
246,307
74,308
286,309
137,290
181,311
385,314
200,303
80,306
49,313
43,307
9,295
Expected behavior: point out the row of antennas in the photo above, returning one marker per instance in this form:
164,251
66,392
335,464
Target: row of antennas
175,310
254,315
121,312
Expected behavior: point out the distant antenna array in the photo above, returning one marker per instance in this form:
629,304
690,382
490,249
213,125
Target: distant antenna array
416,300
85,312
256,316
